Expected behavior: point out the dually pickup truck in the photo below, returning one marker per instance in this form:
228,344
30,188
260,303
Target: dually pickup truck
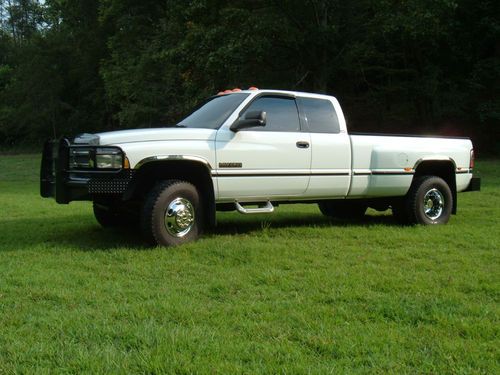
250,151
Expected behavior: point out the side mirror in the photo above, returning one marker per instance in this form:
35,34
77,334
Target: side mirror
251,119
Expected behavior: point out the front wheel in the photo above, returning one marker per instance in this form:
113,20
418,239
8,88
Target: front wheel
429,201
172,213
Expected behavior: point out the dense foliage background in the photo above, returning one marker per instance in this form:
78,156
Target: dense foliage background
416,66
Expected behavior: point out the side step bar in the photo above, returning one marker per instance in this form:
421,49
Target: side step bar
267,209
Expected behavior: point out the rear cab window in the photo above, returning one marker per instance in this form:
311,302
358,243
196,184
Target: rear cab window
320,115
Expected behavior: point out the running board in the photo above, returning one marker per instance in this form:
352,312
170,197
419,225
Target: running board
267,209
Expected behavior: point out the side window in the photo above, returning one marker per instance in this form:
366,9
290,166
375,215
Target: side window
320,115
282,114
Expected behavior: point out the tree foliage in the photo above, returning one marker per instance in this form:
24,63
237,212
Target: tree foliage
415,66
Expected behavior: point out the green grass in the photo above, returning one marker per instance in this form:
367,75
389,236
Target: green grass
287,293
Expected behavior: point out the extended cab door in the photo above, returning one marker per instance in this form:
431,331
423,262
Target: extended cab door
264,162
330,145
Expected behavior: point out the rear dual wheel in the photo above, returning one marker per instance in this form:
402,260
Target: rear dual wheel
343,209
429,201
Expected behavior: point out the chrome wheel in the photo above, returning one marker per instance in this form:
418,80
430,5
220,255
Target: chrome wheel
179,217
433,204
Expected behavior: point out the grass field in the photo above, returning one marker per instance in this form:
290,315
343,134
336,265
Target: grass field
289,293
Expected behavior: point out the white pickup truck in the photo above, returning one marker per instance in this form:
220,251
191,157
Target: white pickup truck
250,151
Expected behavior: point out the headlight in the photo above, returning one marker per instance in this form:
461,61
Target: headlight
108,158
80,158
95,158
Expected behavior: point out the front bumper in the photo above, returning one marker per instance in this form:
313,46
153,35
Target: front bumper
66,185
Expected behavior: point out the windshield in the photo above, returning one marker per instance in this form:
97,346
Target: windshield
213,112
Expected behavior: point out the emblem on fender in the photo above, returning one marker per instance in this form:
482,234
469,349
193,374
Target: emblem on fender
230,165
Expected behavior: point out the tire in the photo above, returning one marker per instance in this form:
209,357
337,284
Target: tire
326,208
107,217
429,201
343,209
172,213
399,211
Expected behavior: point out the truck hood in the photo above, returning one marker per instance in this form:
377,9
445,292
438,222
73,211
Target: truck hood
143,135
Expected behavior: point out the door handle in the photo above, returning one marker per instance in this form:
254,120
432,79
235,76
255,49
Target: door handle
302,144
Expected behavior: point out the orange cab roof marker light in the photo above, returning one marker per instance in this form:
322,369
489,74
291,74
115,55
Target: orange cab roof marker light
236,89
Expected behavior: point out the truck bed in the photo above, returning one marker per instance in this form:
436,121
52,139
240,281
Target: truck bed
383,165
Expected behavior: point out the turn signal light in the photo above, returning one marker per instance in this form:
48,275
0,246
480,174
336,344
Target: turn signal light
471,163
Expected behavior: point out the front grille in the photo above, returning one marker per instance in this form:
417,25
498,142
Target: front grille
110,185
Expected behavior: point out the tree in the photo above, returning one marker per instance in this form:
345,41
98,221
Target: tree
68,66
